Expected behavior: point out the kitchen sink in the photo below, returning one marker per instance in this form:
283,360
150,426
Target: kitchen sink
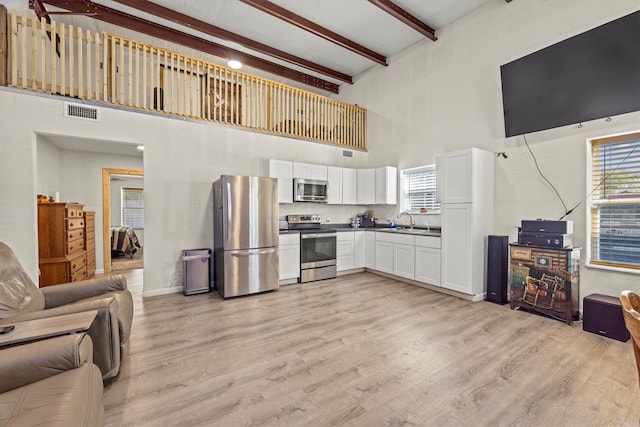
416,231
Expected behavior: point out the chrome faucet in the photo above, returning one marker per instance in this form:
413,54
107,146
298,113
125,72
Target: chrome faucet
410,217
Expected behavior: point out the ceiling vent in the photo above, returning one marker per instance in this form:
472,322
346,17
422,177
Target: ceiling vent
347,153
80,111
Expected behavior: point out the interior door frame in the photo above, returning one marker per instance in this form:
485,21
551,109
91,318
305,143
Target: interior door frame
106,210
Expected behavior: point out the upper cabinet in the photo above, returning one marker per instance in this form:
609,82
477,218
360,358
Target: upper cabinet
283,170
335,178
366,194
460,172
349,186
386,186
309,171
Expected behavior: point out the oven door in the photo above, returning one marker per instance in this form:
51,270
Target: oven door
317,250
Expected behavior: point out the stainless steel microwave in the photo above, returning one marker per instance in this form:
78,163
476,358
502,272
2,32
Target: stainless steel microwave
310,190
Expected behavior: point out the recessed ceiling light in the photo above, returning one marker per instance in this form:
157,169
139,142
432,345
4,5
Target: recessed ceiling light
236,65
140,147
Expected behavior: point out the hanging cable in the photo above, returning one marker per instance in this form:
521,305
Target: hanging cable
566,212
602,181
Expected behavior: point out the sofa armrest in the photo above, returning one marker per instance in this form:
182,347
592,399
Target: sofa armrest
35,361
67,293
108,303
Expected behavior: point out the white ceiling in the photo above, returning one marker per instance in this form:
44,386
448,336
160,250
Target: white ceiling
70,143
357,20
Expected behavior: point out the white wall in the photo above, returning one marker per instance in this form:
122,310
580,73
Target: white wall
442,96
48,161
181,160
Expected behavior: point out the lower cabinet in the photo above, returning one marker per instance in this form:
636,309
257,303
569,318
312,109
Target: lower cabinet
428,259
384,256
351,250
289,256
370,249
360,244
403,260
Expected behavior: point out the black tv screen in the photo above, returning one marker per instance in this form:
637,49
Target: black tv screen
593,75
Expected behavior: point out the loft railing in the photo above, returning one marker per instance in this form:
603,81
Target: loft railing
69,61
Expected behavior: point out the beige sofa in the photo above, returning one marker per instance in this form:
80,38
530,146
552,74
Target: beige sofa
51,382
21,299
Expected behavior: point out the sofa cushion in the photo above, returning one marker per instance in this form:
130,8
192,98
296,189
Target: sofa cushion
71,398
18,293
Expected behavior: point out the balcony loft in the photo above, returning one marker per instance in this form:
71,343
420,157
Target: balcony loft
114,70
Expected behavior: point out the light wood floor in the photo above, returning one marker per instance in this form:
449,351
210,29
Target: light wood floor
364,350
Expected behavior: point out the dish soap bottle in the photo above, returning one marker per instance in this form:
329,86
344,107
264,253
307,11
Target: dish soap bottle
391,223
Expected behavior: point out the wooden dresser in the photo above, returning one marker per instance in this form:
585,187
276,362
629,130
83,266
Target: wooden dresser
90,241
61,243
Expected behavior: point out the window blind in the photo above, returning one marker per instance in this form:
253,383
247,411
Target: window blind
615,201
419,189
132,207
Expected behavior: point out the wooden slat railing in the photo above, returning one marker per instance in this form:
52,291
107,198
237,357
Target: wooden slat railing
69,61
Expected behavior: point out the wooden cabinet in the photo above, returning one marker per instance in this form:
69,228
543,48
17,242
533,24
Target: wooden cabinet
289,257
283,170
62,255
90,241
545,280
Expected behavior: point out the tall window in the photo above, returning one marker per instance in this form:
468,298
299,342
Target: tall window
132,207
615,201
418,194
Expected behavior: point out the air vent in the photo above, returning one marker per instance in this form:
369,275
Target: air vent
347,153
80,111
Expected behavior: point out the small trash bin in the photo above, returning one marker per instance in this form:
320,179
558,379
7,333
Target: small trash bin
196,270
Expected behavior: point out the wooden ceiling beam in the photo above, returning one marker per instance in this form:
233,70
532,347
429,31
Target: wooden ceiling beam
212,30
125,20
310,26
406,18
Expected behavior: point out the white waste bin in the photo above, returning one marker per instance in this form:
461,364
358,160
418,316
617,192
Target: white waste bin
196,270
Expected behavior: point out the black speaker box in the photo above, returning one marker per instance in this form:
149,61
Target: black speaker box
497,269
602,315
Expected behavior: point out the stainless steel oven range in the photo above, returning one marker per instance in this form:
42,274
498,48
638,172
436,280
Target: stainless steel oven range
317,247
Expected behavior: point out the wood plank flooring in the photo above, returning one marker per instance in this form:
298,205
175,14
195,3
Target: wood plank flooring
363,350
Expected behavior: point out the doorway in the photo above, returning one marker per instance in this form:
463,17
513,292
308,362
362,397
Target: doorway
107,174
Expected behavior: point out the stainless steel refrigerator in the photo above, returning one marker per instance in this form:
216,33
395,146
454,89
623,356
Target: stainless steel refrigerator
245,234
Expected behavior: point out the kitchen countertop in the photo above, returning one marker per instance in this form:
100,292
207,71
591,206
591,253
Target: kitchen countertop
433,231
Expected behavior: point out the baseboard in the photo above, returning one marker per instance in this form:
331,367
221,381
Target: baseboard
353,270
163,291
99,271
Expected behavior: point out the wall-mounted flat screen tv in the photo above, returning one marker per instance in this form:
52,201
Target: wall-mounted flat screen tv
593,75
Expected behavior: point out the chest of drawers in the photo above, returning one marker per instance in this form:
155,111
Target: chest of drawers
62,254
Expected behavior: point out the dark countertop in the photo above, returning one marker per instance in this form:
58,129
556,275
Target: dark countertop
289,232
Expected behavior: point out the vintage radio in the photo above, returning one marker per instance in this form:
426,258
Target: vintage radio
541,226
545,239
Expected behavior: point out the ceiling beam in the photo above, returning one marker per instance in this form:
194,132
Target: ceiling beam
406,18
310,26
125,20
212,30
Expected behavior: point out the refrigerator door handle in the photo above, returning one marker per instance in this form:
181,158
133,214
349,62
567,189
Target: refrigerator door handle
250,252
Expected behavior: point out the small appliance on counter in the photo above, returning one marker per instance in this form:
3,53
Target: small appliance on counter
318,247
365,220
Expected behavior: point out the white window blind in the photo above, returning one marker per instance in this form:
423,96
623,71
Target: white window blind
132,207
615,201
419,189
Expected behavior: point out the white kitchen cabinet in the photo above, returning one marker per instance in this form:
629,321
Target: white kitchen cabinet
289,256
345,251
366,185
386,186
349,186
397,256
370,249
466,223
334,178
428,260
309,171
283,170
404,260
384,256
360,244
